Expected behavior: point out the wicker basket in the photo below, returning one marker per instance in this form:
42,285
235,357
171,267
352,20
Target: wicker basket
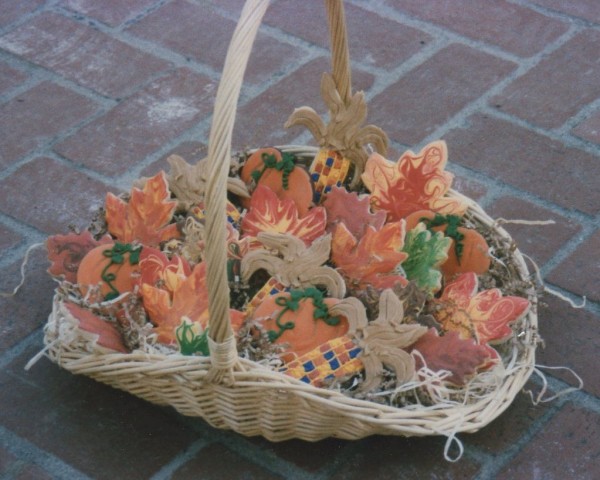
233,393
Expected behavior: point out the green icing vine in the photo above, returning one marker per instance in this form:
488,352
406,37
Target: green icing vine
320,312
117,254
285,165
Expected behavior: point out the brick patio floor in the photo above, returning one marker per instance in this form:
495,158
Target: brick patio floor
94,94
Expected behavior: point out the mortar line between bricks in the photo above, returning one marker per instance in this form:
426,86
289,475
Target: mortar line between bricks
33,339
482,102
151,49
30,236
243,447
40,74
257,455
566,138
179,460
581,398
590,306
381,8
576,119
25,450
27,17
181,61
140,44
549,12
144,13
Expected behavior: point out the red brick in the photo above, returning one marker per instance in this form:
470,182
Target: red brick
138,126
28,309
199,33
509,427
566,448
260,121
372,39
7,459
427,96
541,242
8,238
387,458
586,9
30,120
214,460
10,77
110,12
82,54
528,160
580,272
589,129
12,11
493,22
51,196
559,86
192,152
572,339
100,431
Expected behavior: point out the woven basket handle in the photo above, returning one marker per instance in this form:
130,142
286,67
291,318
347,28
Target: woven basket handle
222,343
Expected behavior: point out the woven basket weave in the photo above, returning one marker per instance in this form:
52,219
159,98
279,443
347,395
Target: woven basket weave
233,393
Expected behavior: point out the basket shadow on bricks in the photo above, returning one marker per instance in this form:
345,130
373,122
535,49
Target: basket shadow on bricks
84,423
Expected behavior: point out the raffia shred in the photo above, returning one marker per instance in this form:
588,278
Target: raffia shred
344,131
287,259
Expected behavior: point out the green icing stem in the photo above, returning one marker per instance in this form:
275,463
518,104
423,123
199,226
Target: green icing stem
116,254
320,312
285,165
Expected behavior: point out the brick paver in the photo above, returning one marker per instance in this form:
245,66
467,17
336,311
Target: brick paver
580,272
29,121
390,458
100,431
558,87
95,93
585,9
110,12
214,459
183,26
12,11
572,338
24,312
373,39
541,242
10,77
8,237
141,124
492,22
421,101
82,54
35,194
529,161
569,435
